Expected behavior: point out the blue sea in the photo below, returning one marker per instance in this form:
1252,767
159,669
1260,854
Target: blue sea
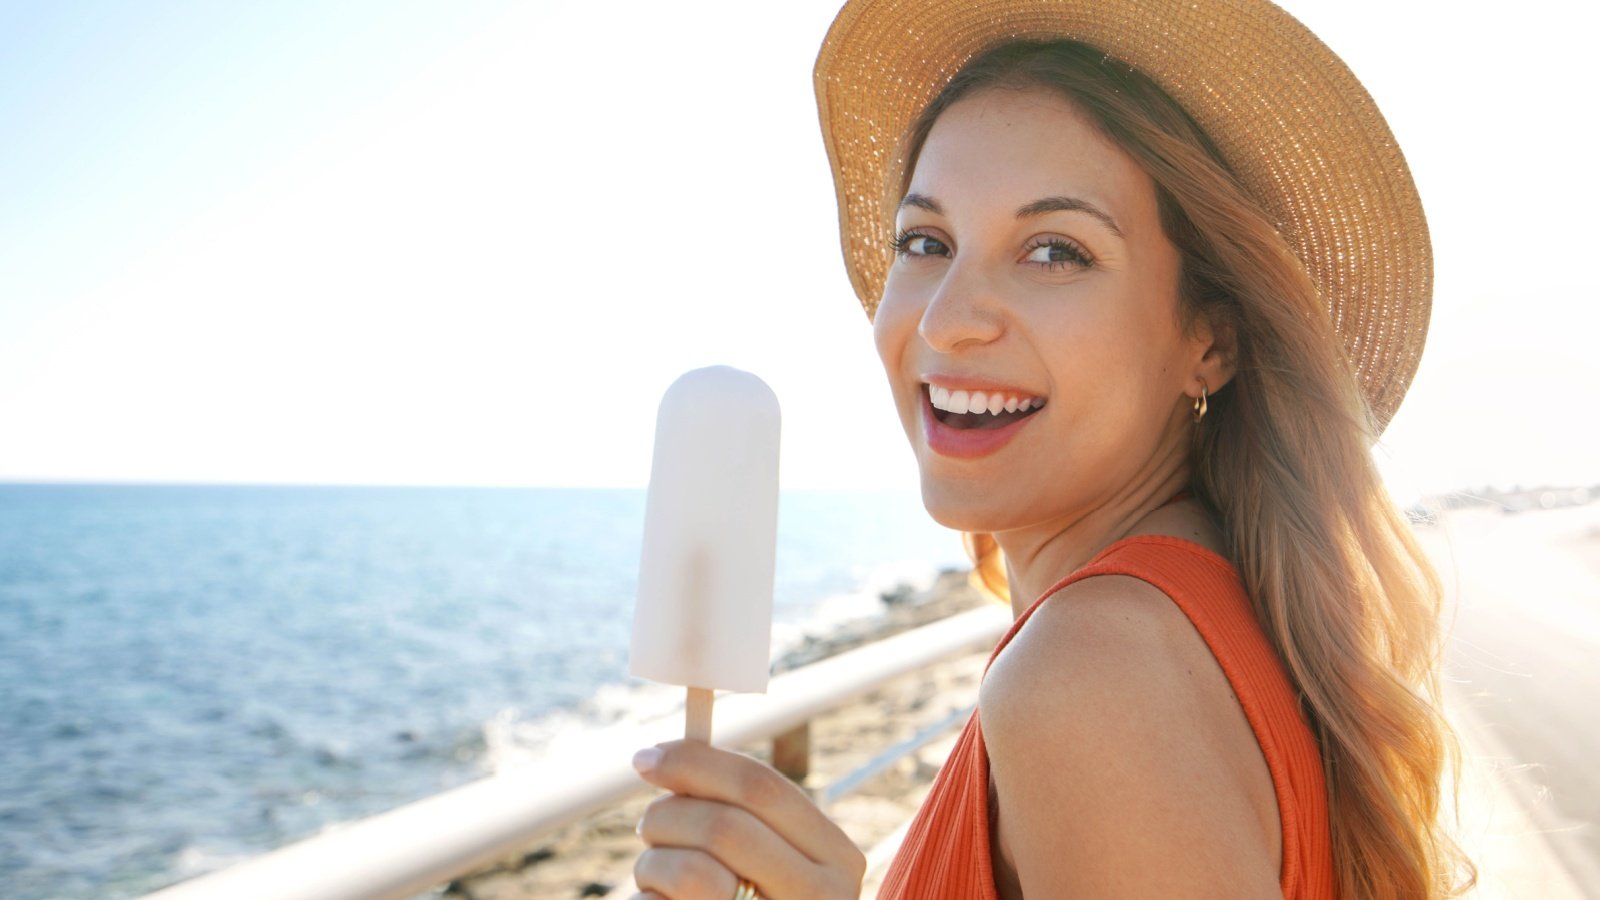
191,675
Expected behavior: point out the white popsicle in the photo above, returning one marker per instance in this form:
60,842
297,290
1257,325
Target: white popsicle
703,616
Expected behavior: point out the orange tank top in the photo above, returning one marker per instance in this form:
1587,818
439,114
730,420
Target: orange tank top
946,849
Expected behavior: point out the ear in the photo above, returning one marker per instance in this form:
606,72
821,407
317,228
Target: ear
1215,356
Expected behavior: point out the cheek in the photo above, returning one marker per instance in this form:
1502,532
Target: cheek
894,326
1107,361
894,333
884,339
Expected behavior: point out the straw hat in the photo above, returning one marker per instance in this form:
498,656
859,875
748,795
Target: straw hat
1295,125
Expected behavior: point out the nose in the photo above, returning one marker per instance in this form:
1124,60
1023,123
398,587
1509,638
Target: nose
963,311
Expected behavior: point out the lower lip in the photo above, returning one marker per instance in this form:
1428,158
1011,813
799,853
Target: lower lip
966,443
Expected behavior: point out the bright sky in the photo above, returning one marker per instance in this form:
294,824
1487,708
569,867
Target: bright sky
471,243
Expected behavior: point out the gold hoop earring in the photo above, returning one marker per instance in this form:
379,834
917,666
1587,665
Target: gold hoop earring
1200,402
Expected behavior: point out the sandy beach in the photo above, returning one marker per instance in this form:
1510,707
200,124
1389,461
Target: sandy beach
1525,843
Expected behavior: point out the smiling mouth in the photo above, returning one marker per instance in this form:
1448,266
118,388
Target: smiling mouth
979,410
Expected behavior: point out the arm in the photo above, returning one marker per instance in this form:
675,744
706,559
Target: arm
1123,764
731,817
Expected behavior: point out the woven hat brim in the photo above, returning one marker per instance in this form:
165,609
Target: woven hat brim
1299,131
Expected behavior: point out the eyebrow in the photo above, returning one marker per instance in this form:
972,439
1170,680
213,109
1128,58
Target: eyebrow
1069,204
1036,208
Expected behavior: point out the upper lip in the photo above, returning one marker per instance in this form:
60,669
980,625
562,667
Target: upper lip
969,384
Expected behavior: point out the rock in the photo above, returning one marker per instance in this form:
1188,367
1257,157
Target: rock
899,595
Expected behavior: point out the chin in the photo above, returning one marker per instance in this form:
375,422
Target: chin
965,505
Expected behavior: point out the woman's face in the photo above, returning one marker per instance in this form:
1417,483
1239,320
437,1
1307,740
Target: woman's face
1033,278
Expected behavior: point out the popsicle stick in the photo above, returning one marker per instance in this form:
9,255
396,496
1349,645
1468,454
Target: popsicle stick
698,724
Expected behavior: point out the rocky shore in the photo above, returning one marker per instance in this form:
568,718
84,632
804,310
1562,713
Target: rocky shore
594,858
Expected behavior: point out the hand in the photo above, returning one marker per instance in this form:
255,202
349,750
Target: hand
730,817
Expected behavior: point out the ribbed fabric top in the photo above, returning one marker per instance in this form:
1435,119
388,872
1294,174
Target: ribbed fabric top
946,849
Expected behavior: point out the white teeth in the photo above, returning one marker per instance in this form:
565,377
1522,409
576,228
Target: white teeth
976,402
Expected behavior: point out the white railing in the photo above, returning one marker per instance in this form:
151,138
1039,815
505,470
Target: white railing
416,847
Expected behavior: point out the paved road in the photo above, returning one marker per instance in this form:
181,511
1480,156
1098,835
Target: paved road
1524,662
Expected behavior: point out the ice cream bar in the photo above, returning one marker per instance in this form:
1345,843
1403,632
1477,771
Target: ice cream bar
703,617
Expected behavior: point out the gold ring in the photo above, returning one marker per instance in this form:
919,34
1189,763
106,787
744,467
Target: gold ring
747,891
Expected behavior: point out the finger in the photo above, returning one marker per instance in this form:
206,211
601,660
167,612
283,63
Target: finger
736,838
700,770
683,874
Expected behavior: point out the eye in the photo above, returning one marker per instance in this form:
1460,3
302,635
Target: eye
915,243
1055,253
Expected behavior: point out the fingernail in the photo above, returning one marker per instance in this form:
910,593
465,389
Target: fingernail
647,759
639,828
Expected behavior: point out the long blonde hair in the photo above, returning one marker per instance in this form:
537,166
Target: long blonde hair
1339,584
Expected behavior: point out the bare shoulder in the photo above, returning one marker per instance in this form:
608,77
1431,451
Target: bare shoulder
1122,762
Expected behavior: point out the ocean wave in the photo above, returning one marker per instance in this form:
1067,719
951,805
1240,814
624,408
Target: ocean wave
513,739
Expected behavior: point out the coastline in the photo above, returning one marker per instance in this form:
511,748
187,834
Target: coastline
594,857
1524,808
401,642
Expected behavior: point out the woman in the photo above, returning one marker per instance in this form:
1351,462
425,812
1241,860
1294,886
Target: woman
1147,279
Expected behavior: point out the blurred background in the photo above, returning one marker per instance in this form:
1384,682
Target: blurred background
331,335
